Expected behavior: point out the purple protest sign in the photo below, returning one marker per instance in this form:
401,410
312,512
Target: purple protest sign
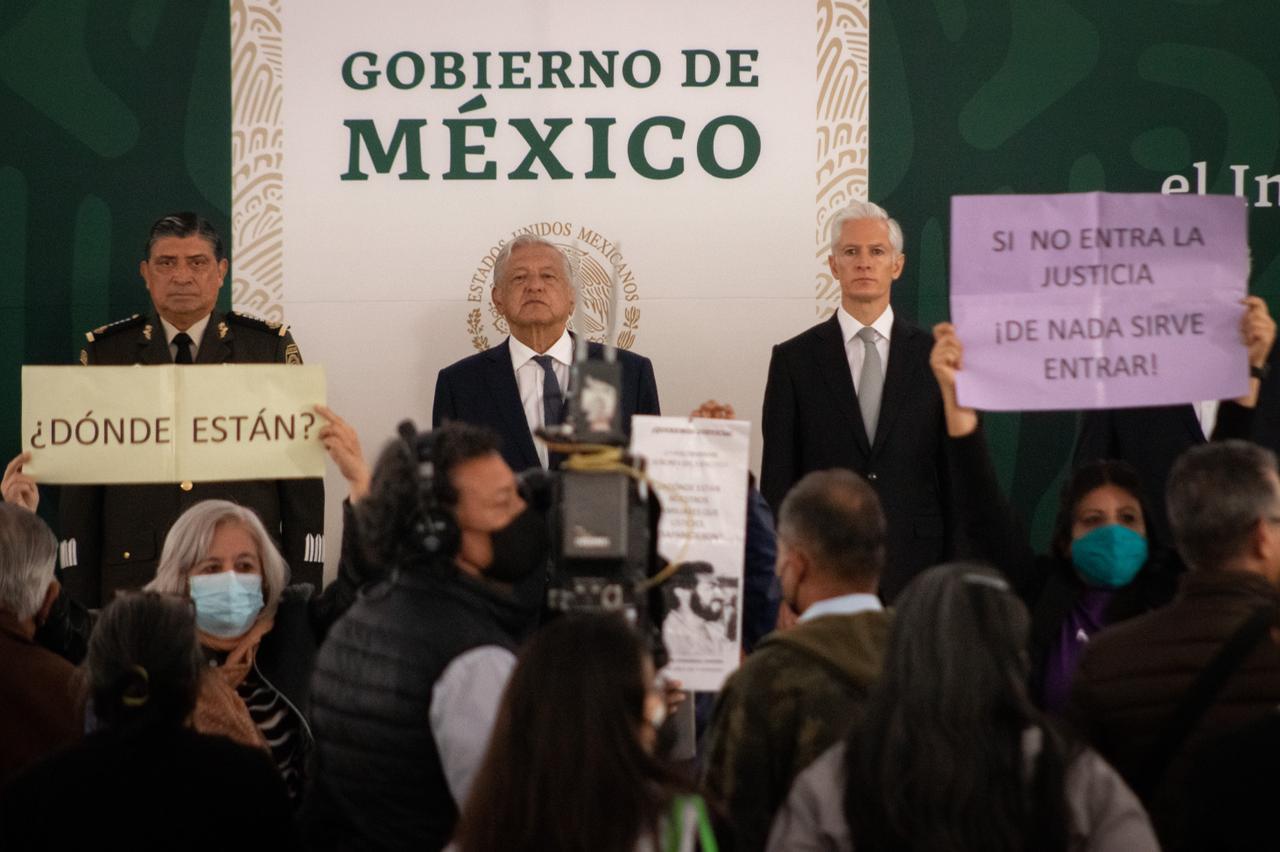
1098,300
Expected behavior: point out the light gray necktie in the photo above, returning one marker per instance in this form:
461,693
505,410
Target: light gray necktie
870,381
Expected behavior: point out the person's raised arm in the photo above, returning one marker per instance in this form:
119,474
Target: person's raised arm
991,526
343,446
947,359
342,443
1258,331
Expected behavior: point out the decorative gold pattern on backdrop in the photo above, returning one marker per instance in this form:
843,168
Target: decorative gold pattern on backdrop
844,93
257,157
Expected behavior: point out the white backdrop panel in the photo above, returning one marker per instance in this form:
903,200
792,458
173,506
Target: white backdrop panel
385,279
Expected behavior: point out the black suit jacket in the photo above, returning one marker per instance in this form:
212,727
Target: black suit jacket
811,422
112,535
481,389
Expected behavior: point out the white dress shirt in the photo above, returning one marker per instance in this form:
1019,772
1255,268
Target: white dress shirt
1207,414
529,378
464,704
842,605
853,348
196,333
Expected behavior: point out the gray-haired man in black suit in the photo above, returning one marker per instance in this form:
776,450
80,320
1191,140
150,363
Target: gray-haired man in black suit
855,392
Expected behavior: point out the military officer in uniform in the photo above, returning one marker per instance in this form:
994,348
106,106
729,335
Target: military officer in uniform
112,535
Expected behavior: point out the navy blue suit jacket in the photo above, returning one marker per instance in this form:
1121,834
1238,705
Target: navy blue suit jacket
481,390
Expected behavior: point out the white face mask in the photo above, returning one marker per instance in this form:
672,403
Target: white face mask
227,603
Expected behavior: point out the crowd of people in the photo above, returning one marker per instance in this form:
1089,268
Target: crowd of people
914,675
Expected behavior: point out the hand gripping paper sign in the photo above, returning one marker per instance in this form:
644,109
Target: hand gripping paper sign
699,467
203,423
1098,300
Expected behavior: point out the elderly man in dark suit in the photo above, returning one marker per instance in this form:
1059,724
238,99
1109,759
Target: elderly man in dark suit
854,392
520,385
112,534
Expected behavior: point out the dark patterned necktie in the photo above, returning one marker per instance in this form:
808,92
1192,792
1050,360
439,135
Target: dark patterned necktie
552,396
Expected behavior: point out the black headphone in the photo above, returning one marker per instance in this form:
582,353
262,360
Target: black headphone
434,526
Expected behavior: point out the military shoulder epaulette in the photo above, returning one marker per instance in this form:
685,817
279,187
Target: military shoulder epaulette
114,327
250,321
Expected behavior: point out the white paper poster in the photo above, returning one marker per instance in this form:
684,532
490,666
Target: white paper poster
699,468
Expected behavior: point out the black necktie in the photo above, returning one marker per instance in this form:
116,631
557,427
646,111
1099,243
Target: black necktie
182,340
552,398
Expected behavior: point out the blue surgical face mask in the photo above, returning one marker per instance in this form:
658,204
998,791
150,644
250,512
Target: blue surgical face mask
1109,556
226,602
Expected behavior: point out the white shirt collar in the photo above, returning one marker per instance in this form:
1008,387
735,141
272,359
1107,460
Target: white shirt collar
196,332
849,327
842,605
561,351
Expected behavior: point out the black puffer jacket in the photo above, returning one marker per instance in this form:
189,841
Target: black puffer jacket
381,783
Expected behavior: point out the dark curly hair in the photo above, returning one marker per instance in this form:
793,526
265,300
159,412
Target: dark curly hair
389,515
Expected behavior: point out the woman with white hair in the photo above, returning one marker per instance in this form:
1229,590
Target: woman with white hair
258,633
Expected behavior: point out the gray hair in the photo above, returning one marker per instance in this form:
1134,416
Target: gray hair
527,241
27,551
865,210
1217,492
835,516
189,540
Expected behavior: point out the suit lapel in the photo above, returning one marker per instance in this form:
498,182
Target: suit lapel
500,380
152,347
898,378
834,365
215,346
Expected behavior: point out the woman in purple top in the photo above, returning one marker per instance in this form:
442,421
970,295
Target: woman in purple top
1099,570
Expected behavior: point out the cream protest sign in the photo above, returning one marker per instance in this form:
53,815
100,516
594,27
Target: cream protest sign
169,423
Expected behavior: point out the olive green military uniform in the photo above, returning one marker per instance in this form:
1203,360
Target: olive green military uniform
112,535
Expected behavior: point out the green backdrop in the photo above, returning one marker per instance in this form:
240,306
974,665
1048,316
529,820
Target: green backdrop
1040,96
113,114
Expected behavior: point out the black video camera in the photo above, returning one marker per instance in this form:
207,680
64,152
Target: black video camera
603,517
